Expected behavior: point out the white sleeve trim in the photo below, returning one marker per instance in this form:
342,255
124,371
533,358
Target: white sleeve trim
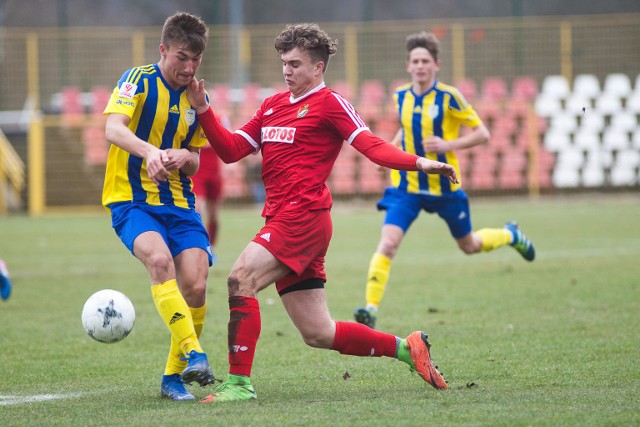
250,140
356,133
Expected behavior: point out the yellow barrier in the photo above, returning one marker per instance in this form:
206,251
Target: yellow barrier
11,174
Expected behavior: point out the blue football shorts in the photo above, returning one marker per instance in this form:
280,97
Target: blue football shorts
179,227
403,208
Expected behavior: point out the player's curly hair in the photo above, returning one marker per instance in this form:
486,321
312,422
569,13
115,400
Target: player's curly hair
185,29
426,40
307,37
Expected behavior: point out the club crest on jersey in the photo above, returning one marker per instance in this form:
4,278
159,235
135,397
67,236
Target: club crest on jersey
190,116
127,90
302,111
433,111
278,134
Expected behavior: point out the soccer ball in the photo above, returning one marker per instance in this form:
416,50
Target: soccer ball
108,316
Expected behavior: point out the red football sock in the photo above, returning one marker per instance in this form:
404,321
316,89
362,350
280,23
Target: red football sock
244,331
360,340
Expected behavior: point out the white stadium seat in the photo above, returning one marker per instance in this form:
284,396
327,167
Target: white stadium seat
625,121
625,168
556,86
635,139
586,85
633,102
600,156
617,84
563,122
577,103
593,175
556,140
615,139
592,121
547,105
586,139
608,104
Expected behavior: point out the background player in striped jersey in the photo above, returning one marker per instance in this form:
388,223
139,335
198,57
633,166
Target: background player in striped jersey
156,139
430,115
300,133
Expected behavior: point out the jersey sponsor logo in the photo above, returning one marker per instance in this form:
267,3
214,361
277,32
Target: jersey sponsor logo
278,134
127,90
190,116
302,111
266,236
127,103
174,109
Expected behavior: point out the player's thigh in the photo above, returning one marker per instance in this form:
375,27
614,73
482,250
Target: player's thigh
255,269
456,213
310,314
402,211
192,268
151,248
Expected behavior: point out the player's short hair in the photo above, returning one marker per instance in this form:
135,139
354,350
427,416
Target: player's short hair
426,40
309,38
185,29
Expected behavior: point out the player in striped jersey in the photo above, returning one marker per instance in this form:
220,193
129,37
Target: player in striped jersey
155,141
430,115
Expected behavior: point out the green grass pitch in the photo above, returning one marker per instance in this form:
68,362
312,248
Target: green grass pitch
553,342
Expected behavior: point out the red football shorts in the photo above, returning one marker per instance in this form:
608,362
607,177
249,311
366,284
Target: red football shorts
299,239
207,186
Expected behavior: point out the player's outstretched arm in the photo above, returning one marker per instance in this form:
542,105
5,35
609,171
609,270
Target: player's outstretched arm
386,154
230,147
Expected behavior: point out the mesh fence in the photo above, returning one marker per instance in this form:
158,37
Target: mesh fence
241,65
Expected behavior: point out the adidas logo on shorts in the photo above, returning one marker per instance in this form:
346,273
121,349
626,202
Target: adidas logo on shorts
266,236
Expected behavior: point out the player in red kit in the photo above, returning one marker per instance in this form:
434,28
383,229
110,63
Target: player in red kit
300,133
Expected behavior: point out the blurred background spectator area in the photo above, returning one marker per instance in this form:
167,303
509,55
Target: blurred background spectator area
561,96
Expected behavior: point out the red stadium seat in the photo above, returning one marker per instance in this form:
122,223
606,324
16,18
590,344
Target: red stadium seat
467,88
344,89
99,99
483,167
343,176
235,184
372,99
513,165
524,88
371,180
71,106
494,88
96,148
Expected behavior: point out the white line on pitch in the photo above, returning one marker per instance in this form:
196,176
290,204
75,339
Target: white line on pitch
6,400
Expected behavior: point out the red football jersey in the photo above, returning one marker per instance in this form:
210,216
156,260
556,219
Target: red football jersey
300,140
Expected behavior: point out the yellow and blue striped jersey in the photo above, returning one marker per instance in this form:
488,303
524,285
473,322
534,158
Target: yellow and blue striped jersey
440,111
164,118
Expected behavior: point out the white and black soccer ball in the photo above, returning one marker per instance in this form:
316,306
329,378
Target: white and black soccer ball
108,316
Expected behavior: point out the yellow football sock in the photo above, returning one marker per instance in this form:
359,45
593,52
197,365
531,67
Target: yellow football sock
378,276
176,315
493,238
174,363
